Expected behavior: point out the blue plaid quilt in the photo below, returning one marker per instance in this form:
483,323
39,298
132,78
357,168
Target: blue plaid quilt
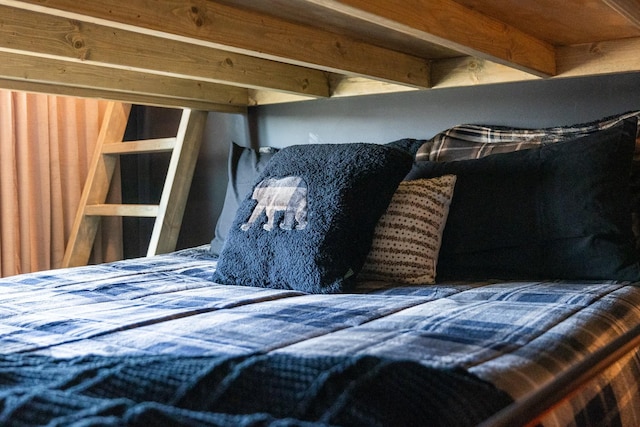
515,335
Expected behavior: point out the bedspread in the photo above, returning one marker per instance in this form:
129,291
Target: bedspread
265,390
515,335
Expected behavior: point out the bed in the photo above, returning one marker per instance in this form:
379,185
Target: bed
154,312
180,339
536,331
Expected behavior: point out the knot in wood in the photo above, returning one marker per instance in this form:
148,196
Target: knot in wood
77,42
196,16
473,66
595,49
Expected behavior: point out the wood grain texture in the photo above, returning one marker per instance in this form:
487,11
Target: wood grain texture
178,182
215,25
617,56
468,71
96,187
34,33
225,55
132,98
150,211
561,23
157,145
630,9
451,25
85,75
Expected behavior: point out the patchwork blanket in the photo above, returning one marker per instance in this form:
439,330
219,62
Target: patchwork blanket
255,390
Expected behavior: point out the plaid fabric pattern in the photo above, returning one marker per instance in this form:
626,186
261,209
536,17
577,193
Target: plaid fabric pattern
471,141
516,335
288,195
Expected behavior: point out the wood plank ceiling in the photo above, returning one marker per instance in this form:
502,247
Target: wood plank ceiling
229,54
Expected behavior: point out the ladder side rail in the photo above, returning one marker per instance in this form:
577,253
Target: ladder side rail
173,200
97,185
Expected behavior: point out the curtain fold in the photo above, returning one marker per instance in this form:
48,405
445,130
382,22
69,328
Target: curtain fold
46,144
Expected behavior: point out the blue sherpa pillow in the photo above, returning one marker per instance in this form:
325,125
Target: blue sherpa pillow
309,222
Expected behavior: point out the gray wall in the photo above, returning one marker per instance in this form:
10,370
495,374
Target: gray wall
210,177
384,118
144,175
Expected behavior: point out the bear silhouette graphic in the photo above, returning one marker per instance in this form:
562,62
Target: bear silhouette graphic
288,194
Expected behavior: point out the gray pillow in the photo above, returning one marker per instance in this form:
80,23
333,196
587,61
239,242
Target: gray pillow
245,165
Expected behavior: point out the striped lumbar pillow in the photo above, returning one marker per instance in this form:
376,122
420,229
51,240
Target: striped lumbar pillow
407,237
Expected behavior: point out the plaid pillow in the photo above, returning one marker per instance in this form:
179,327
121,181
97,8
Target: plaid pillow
558,212
470,141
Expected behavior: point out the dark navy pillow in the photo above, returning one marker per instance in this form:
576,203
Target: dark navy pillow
410,145
309,222
558,212
245,165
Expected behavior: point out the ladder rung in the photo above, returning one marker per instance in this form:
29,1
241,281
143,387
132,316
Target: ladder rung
168,214
158,145
122,210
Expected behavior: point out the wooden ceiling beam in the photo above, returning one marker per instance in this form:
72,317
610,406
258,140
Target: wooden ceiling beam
630,9
53,72
341,86
42,34
615,56
469,71
79,92
219,26
588,59
451,25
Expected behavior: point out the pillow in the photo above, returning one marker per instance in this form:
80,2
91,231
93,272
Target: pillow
410,145
407,238
309,221
471,141
558,212
245,165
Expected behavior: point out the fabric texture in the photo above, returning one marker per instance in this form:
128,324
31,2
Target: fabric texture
309,222
407,237
470,141
46,146
244,166
410,145
167,305
558,212
265,390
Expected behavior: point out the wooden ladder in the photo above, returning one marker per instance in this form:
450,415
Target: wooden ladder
168,213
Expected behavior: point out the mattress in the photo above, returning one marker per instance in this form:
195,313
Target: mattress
516,335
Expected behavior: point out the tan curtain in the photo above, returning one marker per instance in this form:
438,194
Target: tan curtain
46,144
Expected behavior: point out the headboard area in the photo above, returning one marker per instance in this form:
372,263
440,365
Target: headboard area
226,55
